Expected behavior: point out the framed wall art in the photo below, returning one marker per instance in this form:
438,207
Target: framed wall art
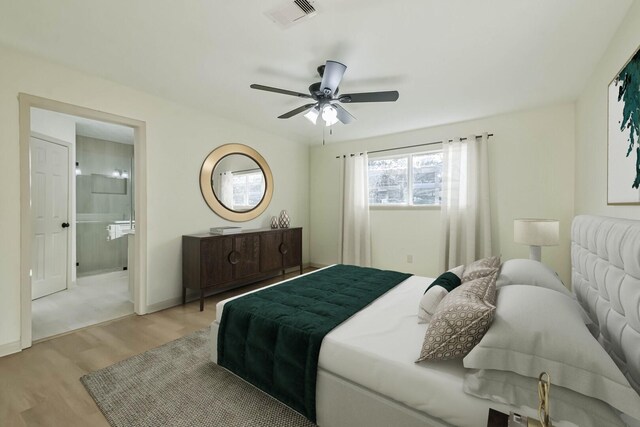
623,177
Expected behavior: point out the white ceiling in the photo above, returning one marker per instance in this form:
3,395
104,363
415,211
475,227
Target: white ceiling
450,60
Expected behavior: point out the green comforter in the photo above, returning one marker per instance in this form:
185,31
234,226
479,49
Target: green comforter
272,337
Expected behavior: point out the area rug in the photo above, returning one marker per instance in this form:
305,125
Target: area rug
176,385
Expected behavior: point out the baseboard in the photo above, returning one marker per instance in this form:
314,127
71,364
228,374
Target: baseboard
168,303
10,348
318,265
172,302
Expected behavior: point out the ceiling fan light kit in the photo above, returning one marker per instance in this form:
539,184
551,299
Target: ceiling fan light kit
312,115
329,115
325,94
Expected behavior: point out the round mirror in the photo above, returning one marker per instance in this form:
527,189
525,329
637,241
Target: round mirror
236,182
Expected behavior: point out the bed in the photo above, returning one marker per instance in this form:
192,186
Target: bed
366,371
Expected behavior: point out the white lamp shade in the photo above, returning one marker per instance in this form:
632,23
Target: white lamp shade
536,232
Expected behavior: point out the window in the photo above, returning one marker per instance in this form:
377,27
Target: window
248,189
406,180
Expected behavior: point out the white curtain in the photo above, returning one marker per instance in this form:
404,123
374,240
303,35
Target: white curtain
355,234
226,188
465,211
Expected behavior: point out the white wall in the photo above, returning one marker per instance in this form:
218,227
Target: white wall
531,175
178,140
591,124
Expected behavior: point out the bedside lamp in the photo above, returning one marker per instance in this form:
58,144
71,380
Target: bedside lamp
536,233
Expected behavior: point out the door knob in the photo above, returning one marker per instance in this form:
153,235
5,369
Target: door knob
65,225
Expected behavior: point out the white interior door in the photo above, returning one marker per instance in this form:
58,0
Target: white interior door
50,217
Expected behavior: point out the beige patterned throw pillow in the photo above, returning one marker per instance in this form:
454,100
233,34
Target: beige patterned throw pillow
480,268
461,320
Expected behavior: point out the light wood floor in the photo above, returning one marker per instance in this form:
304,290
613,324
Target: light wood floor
40,386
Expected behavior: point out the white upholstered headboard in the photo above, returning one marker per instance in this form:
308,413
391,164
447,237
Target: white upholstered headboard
605,275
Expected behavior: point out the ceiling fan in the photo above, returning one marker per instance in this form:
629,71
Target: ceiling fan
325,94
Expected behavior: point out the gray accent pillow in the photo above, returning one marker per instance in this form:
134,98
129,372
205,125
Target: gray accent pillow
461,320
536,329
480,268
522,392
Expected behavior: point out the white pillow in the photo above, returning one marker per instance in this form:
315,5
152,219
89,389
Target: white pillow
534,273
429,302
432,297
537,329
457,271
522,392
530,272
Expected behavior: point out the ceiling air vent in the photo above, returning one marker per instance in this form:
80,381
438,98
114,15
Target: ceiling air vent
292,12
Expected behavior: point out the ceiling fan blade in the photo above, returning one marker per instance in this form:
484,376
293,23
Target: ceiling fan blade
281,91
296,111
333,72
343,115
390,96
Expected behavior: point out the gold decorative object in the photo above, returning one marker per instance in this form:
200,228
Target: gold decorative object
544,384
517,420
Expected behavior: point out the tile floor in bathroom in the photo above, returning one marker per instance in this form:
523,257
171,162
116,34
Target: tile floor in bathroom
94,299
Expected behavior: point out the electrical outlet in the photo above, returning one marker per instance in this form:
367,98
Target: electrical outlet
410,259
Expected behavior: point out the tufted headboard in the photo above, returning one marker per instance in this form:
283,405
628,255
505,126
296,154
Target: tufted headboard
605,274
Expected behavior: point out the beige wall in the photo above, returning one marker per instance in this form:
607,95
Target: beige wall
531,175
591,124
178,139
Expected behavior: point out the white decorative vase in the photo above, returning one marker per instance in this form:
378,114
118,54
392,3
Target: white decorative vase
274,222
284,221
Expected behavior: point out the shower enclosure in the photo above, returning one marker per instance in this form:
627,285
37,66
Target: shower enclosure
104,205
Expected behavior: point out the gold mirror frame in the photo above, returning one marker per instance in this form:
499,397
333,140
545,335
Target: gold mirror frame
206,175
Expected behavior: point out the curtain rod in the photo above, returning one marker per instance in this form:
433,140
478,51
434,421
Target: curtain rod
411,146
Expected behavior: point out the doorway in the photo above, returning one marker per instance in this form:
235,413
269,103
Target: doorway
83,228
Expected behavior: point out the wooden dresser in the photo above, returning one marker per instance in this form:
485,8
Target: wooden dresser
213,264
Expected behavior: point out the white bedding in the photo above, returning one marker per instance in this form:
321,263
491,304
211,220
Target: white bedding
376,349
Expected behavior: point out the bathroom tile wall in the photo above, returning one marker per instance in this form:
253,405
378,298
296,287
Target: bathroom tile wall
102,199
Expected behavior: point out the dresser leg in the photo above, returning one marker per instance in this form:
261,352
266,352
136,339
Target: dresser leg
184,295
301,269
202,300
